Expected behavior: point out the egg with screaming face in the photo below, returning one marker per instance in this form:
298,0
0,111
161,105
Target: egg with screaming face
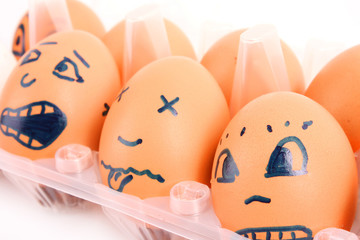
58,94
284,169
82,18
221,61
163,128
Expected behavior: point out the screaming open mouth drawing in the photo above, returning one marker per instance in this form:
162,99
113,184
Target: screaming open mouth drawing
35,125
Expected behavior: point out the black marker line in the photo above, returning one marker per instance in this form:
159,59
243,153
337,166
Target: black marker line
81,59
128,143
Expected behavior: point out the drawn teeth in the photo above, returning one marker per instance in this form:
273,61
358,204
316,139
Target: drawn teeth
24,112
35,143
12,114
36,110
6,113
4,128
24,138
12,131
49,109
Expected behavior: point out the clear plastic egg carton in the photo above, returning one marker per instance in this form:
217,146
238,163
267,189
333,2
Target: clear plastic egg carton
72,180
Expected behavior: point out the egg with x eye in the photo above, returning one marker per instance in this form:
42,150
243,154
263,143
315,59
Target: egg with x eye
82,18
284,169
59,93
163,128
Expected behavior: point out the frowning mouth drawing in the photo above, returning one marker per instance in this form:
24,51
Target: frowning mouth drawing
35,125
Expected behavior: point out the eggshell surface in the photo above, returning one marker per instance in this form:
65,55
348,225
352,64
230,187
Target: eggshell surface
221,60
82,18
163,128
284,169
336,87
58,94
179,44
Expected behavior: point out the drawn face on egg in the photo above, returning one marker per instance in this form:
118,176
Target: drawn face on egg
59,86
272,170
130,172
20,43
118,178
163,128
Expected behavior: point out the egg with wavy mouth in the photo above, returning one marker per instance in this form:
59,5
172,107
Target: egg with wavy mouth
284,169
58,94
162,129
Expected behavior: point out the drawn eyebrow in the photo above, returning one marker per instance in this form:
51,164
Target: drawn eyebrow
81,59
48,43
122,92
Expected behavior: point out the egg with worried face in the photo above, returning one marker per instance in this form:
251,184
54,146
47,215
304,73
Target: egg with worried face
58,94
284,169
163,128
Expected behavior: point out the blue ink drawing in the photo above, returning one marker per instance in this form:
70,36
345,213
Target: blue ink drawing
117,172
125,181
20,40
48,43
61,71
229,169
128,143
26,84
269,128
30,57
242,131
257,198
287,123
281,160
107,108
297,232
81,59
168,105
120,95
306,124
25,126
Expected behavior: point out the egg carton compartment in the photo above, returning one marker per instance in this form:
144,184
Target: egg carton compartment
170,217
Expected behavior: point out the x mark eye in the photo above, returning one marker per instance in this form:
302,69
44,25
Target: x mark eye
168,105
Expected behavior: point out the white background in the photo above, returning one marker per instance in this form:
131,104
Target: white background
316,30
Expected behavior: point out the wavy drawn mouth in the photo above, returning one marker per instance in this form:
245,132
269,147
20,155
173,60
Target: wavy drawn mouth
296,232
35,125
129,172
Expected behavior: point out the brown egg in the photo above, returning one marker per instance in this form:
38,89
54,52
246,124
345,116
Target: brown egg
284,169
336,87
180,45
163,128
82,18
221,60
59,93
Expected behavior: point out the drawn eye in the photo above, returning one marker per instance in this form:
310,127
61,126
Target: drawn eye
32,56
282,161
19,41
229,168
68,70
